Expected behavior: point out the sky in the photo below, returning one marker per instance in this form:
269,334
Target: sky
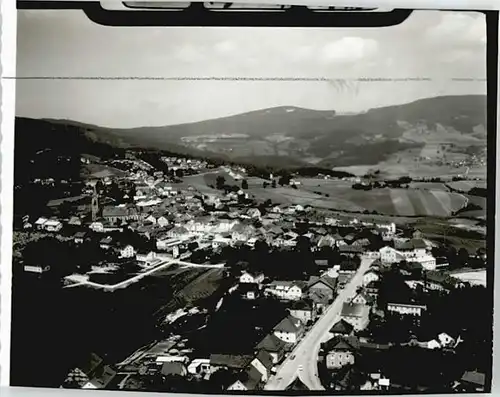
63,43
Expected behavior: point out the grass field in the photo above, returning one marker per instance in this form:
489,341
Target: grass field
429,186
474,277
338,195
465,186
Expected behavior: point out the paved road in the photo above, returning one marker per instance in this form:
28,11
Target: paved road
305,355
134,279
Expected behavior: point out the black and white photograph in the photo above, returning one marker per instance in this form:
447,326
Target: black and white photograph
266,210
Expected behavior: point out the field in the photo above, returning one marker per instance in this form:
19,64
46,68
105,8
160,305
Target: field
429,186
338,195
473,277
465,186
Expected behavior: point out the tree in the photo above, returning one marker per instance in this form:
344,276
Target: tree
220,182
244,184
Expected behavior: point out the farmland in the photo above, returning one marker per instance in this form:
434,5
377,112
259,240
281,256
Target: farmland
473,277
422,199
465,186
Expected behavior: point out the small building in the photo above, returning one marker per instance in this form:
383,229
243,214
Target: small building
472,381
340,351
36,268
250,379
390,255
286,290
252,277
356,314
249,291
273,345
304,310
371,275
289,330
406,308
327,285
297,386
342,328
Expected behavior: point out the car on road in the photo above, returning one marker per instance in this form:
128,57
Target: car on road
293,356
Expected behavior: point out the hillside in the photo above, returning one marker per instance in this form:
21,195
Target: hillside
292,136
311,136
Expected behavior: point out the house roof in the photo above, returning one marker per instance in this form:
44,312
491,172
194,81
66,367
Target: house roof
341,327
271,343
474,377
80,234
230,360
265,358
103,376
341,343
251,377
301,305
330,282
297,385
318,296
348,266
321,262
354,310
248,287
289,324
173,368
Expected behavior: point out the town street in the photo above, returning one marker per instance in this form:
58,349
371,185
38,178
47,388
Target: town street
303,360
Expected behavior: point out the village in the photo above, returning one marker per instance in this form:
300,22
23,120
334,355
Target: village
309,295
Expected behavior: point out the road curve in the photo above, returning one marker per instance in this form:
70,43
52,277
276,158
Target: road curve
304,363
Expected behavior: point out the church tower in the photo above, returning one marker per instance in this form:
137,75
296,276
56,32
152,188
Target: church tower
95,204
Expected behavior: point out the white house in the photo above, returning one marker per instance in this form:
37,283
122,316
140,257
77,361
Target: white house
52,225
427,261
290,329
369,276
254,213
252,277
36,268
390,255
97,227
286,290
127,252
406,308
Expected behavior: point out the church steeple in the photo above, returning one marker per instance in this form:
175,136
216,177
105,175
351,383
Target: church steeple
95,204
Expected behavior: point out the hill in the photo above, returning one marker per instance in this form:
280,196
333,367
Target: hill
292,136
312,137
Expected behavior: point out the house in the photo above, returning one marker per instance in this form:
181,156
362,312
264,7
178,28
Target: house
362,299
173,368
286,290
289,330
406,308
229,361
340,351
348,268
304,310
79,237
102,378
342,328
249,291
105,242
97,227
75,221
252,277
472,381
297,385
320,298
371,289
250,379
326,241
390,255
427,261
36,268
356,314
371,275
275,346
263,362
52,225
327,285
126,251
254,213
